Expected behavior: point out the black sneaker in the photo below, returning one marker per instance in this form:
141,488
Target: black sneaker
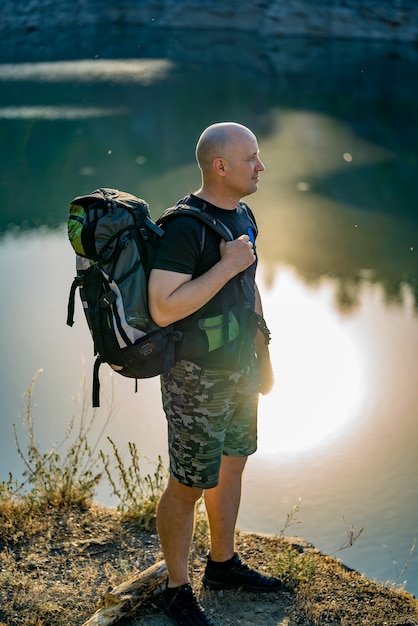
234,574
182,608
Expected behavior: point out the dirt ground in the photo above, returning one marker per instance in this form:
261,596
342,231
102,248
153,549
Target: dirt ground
56,567
231,607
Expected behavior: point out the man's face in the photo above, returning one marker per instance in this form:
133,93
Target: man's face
244,165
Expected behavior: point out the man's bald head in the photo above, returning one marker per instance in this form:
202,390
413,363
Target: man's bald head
218,140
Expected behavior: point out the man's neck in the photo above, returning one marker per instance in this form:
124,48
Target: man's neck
228,204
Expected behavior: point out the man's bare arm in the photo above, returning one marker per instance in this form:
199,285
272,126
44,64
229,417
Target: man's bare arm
266,374
174,296
260,344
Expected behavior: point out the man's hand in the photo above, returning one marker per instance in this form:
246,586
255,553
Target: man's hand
238,254
265,372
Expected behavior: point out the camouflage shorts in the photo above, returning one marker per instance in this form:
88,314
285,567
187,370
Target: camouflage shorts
210,413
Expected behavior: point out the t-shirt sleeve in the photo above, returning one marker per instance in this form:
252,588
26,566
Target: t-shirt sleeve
178,249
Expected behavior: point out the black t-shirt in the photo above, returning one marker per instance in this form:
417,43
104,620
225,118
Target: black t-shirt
189,247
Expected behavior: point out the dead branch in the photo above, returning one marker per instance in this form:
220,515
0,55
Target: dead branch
128,597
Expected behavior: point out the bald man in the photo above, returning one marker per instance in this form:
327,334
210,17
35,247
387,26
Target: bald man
202,285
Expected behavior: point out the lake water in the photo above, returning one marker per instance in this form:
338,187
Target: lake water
337,210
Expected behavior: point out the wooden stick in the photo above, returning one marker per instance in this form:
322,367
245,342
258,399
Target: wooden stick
129,596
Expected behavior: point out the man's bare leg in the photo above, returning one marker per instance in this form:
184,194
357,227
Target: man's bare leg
222,506
224,569
175,523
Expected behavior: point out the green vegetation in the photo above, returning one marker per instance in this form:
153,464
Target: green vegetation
59,479
68,474
138,495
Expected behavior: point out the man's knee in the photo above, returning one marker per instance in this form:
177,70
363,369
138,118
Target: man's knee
182,493
233,464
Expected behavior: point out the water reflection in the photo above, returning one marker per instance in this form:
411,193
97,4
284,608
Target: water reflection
321,230
53,113
321,369
142,71
339,195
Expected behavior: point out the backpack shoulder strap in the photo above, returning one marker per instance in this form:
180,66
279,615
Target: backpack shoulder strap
200,214
250,218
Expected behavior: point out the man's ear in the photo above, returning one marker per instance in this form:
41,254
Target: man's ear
219,166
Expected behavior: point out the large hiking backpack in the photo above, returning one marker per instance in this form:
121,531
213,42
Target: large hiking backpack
114,239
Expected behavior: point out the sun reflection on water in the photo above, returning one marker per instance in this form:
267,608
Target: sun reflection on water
319,367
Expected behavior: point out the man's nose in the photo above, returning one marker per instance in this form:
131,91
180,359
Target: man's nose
260,166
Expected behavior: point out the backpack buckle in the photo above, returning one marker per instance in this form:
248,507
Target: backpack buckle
107,299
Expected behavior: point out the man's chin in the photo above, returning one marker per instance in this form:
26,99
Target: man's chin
251,189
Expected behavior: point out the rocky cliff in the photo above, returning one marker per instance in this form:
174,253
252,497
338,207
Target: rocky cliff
360,19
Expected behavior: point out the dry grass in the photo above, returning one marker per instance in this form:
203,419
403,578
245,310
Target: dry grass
336,595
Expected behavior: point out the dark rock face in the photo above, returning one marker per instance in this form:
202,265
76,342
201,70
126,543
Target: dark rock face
359,19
